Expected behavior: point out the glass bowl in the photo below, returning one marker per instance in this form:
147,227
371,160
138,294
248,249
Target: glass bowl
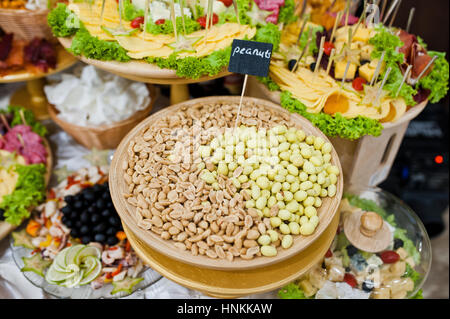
406,219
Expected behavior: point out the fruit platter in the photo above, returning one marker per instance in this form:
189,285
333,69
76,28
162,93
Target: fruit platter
355,77
223,204
345,271
73,246
25,166
138,38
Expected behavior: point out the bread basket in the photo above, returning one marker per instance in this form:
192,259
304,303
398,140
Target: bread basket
103,136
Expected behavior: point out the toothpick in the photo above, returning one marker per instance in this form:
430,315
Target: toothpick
22,116
301,31
305,49
345,73
240,101
363,16
347,9
383,8
103,11
319,58
411,15
120,13
208,14
382,84
173,18
391,8
395,13
405,76
182,15
336,22
425,69
146,16
236,9
378,68
330,60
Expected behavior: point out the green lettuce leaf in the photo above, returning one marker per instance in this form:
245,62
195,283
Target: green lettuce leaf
336,125
167,27
83,43
393,82
30,120
411,273
57,20
292,291
269,34
366,205
130,12
418,295
287,14
313,44
408,245
243,7
437,80
29,191
385,41
271,84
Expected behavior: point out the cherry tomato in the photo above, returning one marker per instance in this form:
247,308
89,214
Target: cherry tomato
327,47
329,254
227,3
160,21
358,83
136,22
350,279
202,20
389,257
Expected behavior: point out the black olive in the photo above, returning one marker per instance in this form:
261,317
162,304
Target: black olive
398,243
111,231
77,197
351,250
100,228
106,213
95,218
66,209
78,224
84,230
109,204
100,203
78,204
86,239
112,240
347,269
100,238
84,217
312,66
368,285
74,233
291,64
324,266
68,199
114,220
89,195
106,196
73,215
2,214
92,209
364,62
97,188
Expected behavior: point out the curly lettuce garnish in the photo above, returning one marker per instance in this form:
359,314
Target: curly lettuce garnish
167,27
57,20
287,12
29,118
269,34
292,291
29,192
437,80
336,125
130,12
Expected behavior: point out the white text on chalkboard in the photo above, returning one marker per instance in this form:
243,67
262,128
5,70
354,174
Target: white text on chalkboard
250,51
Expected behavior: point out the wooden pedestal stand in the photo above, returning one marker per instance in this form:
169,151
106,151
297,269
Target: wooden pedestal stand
149,73
368,160
32,96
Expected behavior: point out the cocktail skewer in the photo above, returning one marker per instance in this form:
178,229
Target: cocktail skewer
416,80
377,69
236,10
319,58
305,49
386,75
336,22
330,60
395,13
301,31
410,17
405,76
391,8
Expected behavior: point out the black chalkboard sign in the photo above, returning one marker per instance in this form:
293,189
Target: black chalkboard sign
250,57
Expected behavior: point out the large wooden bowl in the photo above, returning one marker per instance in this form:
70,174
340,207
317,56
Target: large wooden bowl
103,136
141,71
6,228
126,211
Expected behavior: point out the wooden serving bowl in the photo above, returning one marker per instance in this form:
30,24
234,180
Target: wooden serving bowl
103,136
6,228
126,211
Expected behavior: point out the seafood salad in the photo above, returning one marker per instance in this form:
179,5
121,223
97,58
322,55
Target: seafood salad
78,233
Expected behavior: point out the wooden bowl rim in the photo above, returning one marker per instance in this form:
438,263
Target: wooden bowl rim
408,116
53,111
126,211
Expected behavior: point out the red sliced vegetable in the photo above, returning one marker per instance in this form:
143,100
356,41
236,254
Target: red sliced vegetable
136,22
389,257
350,279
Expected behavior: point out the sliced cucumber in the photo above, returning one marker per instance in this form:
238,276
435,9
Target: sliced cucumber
72,254
54,276
35,264
92,273
87,251
60,260
125,285
21,238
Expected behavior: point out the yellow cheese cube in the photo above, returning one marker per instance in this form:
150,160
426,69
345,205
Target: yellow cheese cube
374,63
362,34
339,70
366,72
